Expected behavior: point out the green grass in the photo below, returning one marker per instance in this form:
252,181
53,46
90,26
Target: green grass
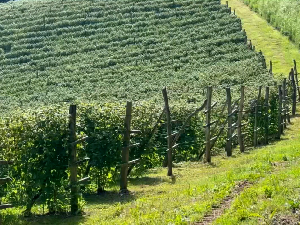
282,14
106,51
273,44
198,187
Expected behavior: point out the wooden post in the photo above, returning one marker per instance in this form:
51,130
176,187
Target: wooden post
294,94
227,4
169,131
125,150
284,105
280,128
207,128
73,159
267,115
240,118
256,117
271,68
229,128
296,77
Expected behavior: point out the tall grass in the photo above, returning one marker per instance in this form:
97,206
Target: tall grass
284,15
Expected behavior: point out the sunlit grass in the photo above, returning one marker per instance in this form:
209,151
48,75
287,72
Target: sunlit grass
273,44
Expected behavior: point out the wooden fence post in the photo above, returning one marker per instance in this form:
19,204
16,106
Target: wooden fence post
207,128
229,128
294,94
240,118
125,150
73,159
284,101
296,77
271,68
2,182
256,116
280,127
267,115
169,132
227,4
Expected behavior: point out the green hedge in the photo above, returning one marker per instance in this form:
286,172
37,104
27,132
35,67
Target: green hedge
37,142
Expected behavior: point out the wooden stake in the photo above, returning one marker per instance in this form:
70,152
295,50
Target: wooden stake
229,128
280,127
125,150
73,160
284,101
207,128
296,77
169,131
267,115
271,68
256,116
240,117
294,94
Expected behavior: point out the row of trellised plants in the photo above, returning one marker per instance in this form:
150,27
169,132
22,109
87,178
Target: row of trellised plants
57,156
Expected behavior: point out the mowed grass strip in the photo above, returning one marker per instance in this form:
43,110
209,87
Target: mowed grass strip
195,190
265,37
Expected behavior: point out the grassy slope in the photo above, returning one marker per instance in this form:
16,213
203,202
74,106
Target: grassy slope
273,44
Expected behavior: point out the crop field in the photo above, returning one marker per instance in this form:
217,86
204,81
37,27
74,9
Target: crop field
78,51
282,14
97,55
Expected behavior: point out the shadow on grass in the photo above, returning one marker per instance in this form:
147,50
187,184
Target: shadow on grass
15,219
146,181
108,197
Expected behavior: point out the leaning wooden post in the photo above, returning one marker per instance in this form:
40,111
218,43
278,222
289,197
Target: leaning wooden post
256,117
73,159
125,150
271,68
280,127
207,128
267,115
284,105
240,118
229,128
169,131
294,94
296,77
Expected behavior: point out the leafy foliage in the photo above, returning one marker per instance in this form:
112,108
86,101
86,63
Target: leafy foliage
83,51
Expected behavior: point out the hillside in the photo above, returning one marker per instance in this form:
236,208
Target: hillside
66,51
275,46
282,14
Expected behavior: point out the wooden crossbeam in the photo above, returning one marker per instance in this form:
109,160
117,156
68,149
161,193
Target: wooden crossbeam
130,162
6,206
213,105
4,162
4,180
84,180
79,140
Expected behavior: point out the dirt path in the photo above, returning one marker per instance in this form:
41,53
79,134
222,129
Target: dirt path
219,210
273,44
